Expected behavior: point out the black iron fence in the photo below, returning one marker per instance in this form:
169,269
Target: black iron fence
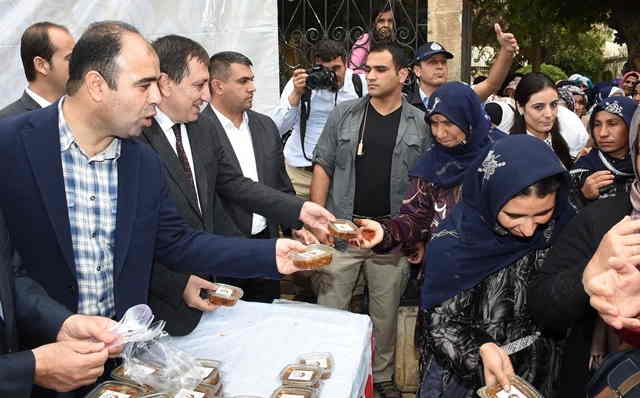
302,23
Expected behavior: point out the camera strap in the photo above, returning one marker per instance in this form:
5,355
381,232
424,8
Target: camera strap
305,110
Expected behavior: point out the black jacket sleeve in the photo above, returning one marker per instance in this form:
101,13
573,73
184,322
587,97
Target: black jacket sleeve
271,203
168,284
557,299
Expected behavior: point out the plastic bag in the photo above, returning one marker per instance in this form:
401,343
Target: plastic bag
159,364
149,356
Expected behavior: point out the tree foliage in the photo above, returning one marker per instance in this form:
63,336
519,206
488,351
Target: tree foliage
540,27
560,32
554,72
581,53
621,15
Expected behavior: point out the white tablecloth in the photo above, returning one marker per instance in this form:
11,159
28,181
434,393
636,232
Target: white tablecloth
255,341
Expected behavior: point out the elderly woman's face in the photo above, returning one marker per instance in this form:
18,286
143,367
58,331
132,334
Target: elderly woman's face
445,132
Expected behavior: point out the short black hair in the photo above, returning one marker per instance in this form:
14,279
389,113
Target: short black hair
97,50
220,63
327,50
400,59
35,42
174,53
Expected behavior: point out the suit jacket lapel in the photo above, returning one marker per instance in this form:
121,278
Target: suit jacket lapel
158,141
224,139
42,144
199,162
128,184
256,139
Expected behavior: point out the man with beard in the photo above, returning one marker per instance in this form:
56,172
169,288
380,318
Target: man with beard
89,208
361,170
253,141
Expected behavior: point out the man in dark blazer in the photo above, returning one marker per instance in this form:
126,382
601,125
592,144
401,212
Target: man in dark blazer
254,144
28,313
45,49
197,167
89,208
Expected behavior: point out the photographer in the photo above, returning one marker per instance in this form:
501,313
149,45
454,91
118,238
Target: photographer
325,88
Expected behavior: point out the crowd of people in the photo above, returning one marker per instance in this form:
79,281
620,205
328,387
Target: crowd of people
137,172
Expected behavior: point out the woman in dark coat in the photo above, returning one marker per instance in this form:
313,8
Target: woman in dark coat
607,170
557,299
473,300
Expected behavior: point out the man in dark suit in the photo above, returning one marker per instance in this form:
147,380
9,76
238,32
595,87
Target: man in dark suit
88,207
45,49
197,167
254,144
69,360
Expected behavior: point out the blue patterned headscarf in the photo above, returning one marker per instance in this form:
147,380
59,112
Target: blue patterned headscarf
445,167
470,244
622,169
601,91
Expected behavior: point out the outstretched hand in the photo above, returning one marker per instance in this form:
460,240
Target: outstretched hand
615,294
370,233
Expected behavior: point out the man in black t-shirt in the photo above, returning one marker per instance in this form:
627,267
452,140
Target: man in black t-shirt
361,165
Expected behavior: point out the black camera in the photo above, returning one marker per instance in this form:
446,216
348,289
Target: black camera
321,78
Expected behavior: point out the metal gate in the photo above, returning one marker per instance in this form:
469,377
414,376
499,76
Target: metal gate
302,23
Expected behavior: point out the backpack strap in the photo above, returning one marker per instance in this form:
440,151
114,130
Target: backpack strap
357,84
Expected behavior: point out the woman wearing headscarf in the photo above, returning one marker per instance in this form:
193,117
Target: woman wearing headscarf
557,299
461,131
480,260
606,90
629,80
608,169
473,298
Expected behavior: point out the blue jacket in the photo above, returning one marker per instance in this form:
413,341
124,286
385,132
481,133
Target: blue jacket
28,314
32,195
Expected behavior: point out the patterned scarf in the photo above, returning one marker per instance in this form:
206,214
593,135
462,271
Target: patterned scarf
445,167
470,244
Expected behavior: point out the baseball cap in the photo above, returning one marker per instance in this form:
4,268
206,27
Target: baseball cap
429,49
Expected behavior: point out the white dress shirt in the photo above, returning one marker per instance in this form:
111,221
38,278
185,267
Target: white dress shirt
423,97
242,144
41,101
322,103
166,124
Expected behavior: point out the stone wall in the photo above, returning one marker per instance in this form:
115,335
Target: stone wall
447,23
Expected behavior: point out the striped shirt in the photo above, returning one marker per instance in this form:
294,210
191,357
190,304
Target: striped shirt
91,185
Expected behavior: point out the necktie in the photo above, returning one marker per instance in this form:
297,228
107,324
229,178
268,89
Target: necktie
182,156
